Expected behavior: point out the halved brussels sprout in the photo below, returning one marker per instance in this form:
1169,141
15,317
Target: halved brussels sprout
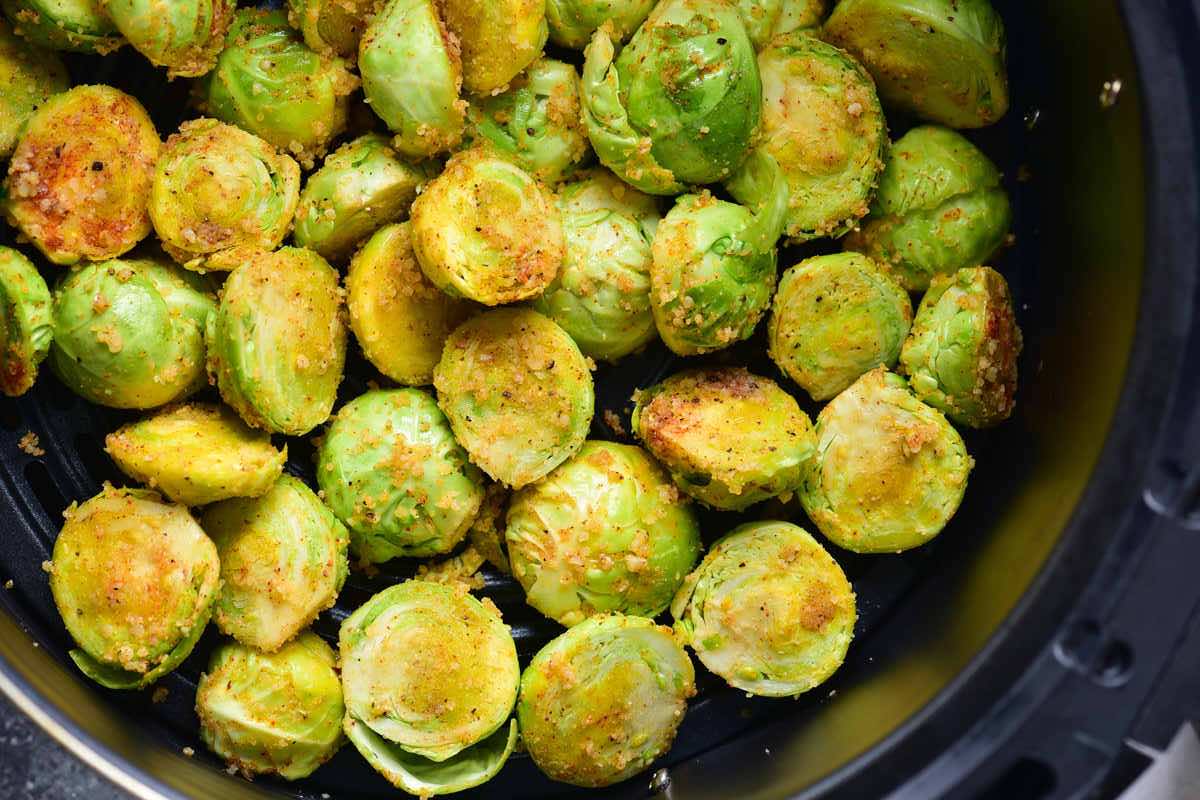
129,333
430,676
221,193
276,344
768,610
77,25
942,60
889,471
421,106
390,469
536,123
823,125
498,38
79,179
400,319
766,19
277,713
331,27
729,438
283,562
361,187
681,102
572,22
602,701
29,76
269,83
962,355
184,36
940,207
26,325
601,296
713,270
605,531
196,454
517,392
835,317
486,230
134,580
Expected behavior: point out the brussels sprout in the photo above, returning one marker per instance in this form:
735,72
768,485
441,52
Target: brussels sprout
713,267
79,179
78,25
283,561
572,22
390,469
536,123
602,701
517,392
798,15
196,454
431,677
766,19
889,471
129,333
768,610
400,319
420,105
498,38
26,325
360,188
729,439
942,60
275,713
835,317
598,189
605,531
823,125
29,75
134,580
680,103
940,207
276,343
184,36
962,355
601,296
221,193
331,27
485,230
269,83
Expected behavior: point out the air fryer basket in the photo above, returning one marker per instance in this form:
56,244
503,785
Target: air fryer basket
960,643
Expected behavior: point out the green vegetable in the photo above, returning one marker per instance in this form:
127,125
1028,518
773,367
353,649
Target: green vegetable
486,230
498,39
602,701
276,343
889,471
796,15
26,326
605,531
196,454
941,60
184,36
134,580
765,19
79,179
220,193
940,207
129,333
29,76
962,355
730,439
834,318
331,27
768,610
360,188
517,392
391,470
573,22
681,102
78,25
277,713
823,125
283,561
430,677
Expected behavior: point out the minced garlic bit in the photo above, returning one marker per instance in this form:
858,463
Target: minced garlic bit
30,445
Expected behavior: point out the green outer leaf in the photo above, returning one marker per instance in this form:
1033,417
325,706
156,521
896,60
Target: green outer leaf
573,22
26,326
184,35
75,25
